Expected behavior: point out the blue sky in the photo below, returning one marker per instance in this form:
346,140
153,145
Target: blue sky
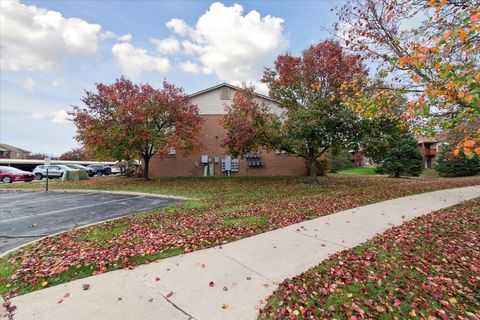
51,51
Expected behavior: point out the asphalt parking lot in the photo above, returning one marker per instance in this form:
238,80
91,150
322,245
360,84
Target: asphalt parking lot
27,216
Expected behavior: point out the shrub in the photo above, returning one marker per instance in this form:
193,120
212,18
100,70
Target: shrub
340,160
449,165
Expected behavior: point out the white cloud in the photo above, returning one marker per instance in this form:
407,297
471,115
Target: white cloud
166,46
134,60
29,84
179,26
125,38
234,46
36,116
60,117
190,67
34,38
112,35
55,83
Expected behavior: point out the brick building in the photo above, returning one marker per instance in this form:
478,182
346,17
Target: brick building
211,158
10,152
430,148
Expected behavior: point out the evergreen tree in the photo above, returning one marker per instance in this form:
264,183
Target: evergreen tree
402,157
449,165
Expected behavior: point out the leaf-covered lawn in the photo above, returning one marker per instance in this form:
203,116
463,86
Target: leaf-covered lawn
428,268
227,209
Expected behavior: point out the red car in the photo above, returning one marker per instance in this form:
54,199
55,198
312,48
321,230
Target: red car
11,174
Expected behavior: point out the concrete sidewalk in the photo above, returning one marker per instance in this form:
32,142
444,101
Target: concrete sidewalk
231,281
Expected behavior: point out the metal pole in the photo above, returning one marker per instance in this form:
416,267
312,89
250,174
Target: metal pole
46,187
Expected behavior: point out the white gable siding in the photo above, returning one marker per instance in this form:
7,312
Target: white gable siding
210,103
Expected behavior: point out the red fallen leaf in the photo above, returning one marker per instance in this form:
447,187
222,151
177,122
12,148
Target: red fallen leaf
119,298
396,302
324,291
203,265
66,295
211,283
157,279
169,294
266,285
60,301
353,318
85,286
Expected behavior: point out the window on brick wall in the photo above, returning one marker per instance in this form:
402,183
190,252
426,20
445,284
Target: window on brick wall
172,152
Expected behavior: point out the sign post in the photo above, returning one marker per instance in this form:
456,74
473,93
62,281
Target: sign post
47,166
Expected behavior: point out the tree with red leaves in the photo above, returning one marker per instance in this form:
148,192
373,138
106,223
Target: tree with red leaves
310,89
246,123
124,121
78,154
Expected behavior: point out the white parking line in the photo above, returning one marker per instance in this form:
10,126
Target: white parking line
36,201
68,209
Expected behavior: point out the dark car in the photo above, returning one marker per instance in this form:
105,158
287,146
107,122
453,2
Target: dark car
100,169
89,171
11,174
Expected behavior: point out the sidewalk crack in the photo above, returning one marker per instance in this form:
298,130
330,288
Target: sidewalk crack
247,267
319,239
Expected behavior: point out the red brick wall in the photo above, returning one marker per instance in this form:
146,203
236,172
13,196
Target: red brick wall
211,135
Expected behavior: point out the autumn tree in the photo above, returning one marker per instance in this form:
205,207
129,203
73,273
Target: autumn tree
309,88
428,49
124,121
246,123
78,154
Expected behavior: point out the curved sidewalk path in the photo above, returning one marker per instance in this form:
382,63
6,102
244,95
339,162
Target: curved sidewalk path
244,272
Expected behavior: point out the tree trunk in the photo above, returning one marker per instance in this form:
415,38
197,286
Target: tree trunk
397,173
313,172
146,164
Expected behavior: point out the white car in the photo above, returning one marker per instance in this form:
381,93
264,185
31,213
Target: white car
115,169
54,171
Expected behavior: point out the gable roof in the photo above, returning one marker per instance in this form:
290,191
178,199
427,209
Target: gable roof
10,148
439,137
231,86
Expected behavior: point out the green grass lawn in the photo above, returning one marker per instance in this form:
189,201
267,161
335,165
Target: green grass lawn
364,171
427,269
226,209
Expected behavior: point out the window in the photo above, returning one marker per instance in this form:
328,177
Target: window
225,93
172,152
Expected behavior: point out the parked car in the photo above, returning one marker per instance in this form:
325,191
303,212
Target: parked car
100,169
115,169
11,174
89,171
54,171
